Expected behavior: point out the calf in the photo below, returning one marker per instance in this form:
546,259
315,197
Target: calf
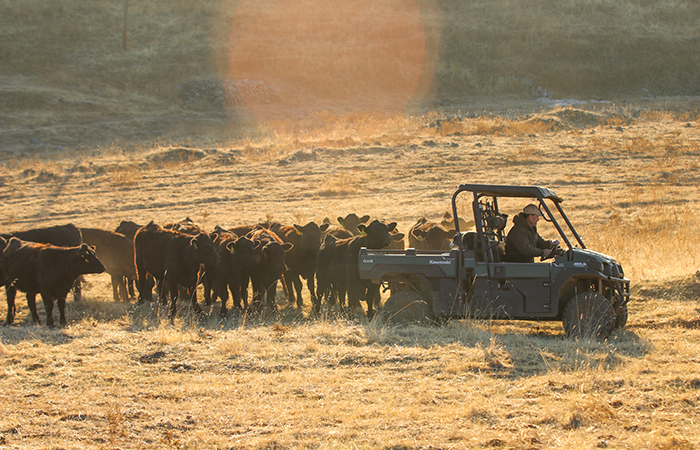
237,254
116,252
173,259
264,276
428,235
338,265
45,269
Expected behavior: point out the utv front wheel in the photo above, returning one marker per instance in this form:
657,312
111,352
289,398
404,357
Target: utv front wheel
405,307
588,315
621,318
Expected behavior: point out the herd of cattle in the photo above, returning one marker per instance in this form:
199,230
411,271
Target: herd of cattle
175,258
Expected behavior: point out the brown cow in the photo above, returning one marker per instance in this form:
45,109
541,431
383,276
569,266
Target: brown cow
45,269
116,252
173,259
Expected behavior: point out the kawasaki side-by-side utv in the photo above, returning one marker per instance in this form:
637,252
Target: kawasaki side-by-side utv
584,289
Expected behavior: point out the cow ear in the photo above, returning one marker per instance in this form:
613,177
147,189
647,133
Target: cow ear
398,236
418,234
391,226
193,241
340,221
324,226
298,229
362,227
231,247
364,219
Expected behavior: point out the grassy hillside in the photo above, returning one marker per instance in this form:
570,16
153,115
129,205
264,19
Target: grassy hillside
194,68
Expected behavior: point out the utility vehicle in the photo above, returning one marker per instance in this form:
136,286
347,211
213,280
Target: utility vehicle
584,289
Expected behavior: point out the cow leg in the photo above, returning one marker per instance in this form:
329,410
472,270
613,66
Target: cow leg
224,299
173,292
10,293
121,291
62,311
77,289
310,285
270,295
115,287
48,306
31,302
353,298
288,283
145,286
298,286
372,294
130,286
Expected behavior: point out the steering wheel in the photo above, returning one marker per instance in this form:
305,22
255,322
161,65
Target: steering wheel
554,251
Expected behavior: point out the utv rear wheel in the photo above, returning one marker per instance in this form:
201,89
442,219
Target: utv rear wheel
405,307
588,315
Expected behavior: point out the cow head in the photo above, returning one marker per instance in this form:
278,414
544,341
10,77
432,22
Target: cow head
352,222
433,236
378,233
243,249
273,256
204,250
310,236
86,260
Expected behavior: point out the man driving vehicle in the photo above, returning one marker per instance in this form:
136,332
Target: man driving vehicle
523,242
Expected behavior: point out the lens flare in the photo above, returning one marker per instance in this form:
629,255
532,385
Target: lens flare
288,58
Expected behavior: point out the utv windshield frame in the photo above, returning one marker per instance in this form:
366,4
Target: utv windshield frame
480,191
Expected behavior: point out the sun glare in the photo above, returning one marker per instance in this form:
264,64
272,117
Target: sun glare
289,57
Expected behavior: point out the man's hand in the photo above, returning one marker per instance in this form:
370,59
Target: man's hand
555,243
546,252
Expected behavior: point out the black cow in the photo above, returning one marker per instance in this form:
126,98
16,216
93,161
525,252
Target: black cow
337,265
271,268
237,254
59,235
173,259
352,222
45,269
116,252
428,235
128,229
330,283
301,259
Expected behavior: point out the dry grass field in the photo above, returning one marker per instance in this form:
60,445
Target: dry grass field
235,112
121,377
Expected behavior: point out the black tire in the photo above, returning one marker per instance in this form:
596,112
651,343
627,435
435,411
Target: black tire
621,318
588,315
405,307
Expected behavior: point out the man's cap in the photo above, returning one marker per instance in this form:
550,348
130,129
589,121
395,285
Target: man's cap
532,209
